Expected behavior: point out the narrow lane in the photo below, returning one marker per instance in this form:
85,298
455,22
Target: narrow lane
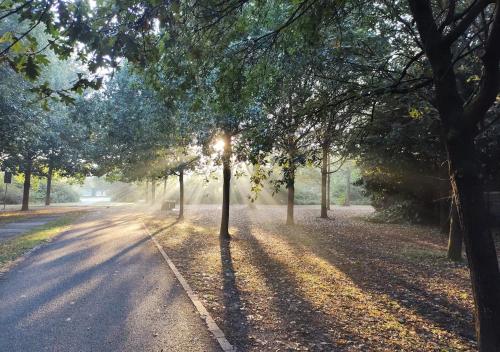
102,286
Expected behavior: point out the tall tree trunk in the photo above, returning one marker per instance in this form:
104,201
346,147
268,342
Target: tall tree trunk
445,196
49,186
459,128
226,186
164,187
324,178
347,201
181,194
153,190
290,185
444,215
455,237
147,192
328,201
479,245
27,184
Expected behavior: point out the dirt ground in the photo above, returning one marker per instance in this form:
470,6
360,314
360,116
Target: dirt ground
340,284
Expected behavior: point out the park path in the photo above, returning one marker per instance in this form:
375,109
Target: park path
17,228
102,286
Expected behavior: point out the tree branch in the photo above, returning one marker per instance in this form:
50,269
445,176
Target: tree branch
469,17
490,85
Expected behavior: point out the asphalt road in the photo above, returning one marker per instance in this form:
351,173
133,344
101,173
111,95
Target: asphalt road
103,286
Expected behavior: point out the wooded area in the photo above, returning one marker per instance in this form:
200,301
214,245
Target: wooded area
401,98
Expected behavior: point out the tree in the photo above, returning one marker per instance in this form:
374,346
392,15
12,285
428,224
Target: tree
402,161
331,135
34,33
64,148
445,34
65,142
23,151
459,118
289,132
455,237
209,97
178,161
39,141
205,59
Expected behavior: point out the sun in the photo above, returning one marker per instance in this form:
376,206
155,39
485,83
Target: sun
219,146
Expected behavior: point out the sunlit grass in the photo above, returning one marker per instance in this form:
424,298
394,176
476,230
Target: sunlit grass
15,215
13,248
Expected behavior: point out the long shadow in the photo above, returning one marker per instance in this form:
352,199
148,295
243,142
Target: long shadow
369,273
75,237
298,319
235,320
73,280
378,278
166,227
235,323
311,325
101,325
78,235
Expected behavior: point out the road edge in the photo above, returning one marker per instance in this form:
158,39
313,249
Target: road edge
205,315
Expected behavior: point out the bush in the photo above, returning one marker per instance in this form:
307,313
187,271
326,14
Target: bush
61,193
399,212
14,194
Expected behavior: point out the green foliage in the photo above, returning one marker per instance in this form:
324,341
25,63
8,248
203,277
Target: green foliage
281,80
131,128
41,136
398,211
32,38
403,164
62,192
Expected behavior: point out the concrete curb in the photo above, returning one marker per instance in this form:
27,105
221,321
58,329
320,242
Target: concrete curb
211,324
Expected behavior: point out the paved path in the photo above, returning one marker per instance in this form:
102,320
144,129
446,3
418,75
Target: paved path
103,286
16,228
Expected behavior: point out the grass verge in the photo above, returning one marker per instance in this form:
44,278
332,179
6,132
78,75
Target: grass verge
13,216
12,249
